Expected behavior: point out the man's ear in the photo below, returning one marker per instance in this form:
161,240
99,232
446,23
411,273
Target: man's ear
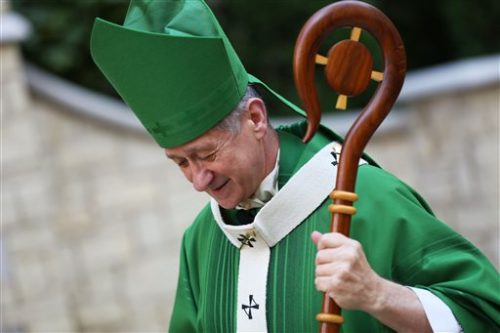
257,115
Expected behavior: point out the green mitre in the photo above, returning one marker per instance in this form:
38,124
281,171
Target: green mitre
173,65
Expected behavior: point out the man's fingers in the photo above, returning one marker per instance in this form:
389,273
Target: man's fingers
325,270
315,236
326,256
329,240
322,283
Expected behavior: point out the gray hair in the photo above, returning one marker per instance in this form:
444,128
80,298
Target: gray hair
232,121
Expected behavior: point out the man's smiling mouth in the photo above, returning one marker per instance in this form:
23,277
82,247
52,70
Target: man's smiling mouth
218,188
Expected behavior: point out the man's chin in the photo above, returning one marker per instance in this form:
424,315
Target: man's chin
227,196
226,204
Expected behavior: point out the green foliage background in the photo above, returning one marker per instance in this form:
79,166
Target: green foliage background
263,33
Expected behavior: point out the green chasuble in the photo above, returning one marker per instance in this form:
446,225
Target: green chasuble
402,239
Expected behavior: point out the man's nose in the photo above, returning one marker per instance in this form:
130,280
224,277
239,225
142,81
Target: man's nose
202,178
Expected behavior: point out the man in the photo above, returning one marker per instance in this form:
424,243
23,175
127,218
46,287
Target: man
248,262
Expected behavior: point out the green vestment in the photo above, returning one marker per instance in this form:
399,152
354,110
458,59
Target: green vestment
402,239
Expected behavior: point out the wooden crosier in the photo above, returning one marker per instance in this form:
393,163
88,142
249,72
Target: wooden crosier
348,71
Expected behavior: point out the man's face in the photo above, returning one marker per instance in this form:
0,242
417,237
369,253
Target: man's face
229,167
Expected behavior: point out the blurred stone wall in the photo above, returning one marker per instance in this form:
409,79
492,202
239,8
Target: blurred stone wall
449,152
91,225
92,215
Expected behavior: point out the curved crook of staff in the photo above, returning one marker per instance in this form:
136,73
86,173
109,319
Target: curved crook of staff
348,70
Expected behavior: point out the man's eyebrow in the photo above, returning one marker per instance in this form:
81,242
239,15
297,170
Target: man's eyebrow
172,157
193,151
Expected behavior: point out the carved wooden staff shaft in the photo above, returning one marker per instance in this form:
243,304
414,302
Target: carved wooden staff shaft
348,71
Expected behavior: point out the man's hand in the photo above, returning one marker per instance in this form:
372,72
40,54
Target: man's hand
343,272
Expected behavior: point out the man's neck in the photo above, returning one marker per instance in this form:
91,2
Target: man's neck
271,148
